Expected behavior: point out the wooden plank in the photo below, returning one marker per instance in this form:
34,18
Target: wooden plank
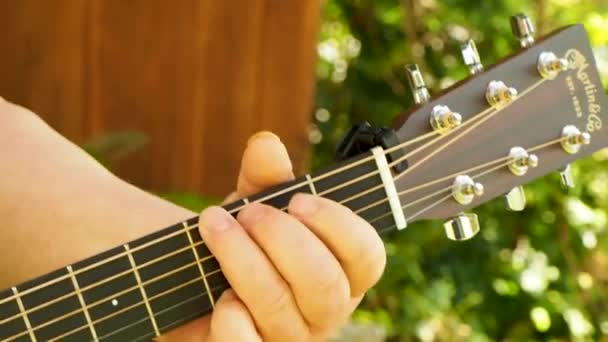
287,73
198,78
41,63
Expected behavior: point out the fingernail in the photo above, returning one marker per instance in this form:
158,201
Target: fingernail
215,219
303,205
263,135
252,214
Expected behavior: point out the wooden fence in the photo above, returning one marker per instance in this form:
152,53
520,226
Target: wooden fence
197,77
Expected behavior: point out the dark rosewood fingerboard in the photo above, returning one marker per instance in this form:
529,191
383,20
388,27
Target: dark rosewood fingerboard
153,284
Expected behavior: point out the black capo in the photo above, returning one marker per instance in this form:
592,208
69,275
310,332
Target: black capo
363,137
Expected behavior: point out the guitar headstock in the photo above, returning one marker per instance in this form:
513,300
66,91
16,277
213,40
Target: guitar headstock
531,114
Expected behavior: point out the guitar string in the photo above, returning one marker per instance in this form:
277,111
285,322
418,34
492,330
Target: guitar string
268,197
327,191
523,93
432,205
217,270
295,186
533,149
134,305
439,180
488,113
122,310
189,228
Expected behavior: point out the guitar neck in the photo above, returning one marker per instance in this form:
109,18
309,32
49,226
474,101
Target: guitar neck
151,285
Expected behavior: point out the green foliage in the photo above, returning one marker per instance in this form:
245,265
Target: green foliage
537,275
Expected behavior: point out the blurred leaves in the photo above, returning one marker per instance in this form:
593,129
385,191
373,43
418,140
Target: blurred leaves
541,274
112,147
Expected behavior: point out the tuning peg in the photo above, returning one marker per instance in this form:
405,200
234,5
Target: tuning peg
523,29
465,189
516,199
521,161
417,85
573,139
471,57
462,227
549,65
566,177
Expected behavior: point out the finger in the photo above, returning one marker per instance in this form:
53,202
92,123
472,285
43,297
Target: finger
195,331
315,277
265,163
231,321
351,239
252,276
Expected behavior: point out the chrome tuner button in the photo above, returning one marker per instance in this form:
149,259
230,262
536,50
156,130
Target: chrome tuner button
566,177
417,85
499,95
523,29
516,199
462,227
573,139
471,57
443,119
549,65
520,161
465,189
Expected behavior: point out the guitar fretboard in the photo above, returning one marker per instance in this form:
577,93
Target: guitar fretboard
151,285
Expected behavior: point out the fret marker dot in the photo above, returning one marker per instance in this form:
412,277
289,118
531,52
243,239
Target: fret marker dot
114,302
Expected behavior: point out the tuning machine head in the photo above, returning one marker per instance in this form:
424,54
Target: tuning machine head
499,94
573,139
443,119
520,161
549,65
417,85
516,199
523,29
566,178
462,227
471,58
465,189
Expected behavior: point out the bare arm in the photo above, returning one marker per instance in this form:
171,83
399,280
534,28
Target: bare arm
58,205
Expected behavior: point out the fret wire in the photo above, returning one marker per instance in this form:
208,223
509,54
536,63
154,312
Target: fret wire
26,320
176,323
143,291
311,184
245,200
166,237
100,263
147,282
82,302
113,277
118,312
200,268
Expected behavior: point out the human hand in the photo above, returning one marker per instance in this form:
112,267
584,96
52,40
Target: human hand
294,277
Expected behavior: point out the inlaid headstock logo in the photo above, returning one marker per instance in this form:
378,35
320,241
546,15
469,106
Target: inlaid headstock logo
577,61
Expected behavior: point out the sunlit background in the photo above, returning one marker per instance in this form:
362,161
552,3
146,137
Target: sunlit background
134,83
537,275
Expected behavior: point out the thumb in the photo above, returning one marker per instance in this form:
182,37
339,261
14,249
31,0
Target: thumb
265,163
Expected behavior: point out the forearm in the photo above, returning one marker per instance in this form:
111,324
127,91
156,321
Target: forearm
58,205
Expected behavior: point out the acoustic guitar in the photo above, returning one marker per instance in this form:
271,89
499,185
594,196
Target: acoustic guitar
484,137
